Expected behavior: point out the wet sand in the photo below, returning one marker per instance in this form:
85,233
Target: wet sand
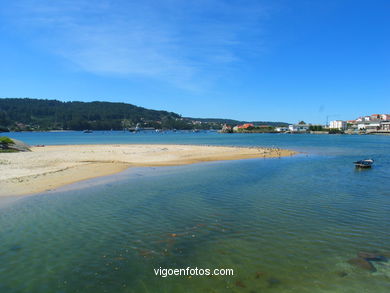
49,167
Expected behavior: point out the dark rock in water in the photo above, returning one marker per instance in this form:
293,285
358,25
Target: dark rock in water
342,274
273,282
371,256
362,263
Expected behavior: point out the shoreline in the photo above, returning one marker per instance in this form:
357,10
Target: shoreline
50,167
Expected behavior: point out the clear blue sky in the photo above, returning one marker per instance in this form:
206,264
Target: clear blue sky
276,60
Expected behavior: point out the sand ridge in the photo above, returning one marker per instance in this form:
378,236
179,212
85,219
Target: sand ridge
49,167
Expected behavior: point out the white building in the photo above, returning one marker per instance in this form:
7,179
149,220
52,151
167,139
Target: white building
298,127
338,124
372,125
364,118
385,126
281,129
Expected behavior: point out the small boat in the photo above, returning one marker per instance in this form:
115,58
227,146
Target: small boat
364,163
88,131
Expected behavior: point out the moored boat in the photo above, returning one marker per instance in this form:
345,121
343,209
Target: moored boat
367,163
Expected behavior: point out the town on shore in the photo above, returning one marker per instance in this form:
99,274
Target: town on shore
372,124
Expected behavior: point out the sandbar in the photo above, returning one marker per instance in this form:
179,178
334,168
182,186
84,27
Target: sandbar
50,167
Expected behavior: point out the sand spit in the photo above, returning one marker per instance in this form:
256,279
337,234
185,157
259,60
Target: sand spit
49,167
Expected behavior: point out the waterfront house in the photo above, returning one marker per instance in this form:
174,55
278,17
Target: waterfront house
372,123
369,125
281,129
298,128
384,126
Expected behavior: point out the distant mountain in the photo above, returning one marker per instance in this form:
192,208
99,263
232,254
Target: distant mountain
37,114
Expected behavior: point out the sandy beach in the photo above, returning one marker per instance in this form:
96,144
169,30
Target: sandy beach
49,167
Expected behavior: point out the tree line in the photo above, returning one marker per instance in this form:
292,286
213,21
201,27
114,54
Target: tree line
26,114
37,114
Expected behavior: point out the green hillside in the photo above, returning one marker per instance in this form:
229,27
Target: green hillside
25,114
35,114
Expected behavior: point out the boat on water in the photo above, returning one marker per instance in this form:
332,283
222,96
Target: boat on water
367,163
87,131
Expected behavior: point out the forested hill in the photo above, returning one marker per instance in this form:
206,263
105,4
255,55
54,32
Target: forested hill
52,114
35,114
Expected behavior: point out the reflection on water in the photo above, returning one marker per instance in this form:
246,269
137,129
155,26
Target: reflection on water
283,225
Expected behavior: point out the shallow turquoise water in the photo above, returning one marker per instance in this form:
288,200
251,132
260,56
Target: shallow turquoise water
283,225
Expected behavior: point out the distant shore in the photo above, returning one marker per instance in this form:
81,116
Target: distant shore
191,130
50,167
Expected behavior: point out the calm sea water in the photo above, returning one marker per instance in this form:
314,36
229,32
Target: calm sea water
283,225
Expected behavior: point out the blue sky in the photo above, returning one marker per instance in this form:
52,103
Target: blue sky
279,60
